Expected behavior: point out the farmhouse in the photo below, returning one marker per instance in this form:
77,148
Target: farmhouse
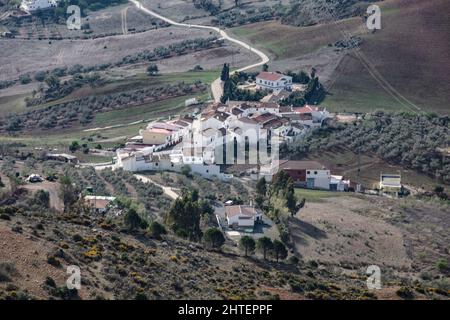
390,182
242,216
309,174
273,81
33,5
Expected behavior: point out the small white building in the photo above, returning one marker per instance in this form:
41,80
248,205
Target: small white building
33,178
242,216
337,183
390,182
273,81
33,5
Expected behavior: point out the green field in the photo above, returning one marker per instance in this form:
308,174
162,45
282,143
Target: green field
144,112
317,195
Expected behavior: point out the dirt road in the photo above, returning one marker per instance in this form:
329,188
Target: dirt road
216,85
52,188
167,190
123,15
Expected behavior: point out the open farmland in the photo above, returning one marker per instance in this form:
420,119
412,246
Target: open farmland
186,11
415,61
392,51
27,56
105,22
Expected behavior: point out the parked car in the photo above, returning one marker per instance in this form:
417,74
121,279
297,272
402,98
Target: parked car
33,178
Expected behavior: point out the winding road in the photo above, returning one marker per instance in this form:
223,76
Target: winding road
216,85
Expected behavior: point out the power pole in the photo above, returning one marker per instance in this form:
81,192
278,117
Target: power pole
358,174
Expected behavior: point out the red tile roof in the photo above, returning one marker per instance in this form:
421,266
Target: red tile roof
300,165
244,211
270,76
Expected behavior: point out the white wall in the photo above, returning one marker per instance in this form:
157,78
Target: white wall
240,222
321,178
207,171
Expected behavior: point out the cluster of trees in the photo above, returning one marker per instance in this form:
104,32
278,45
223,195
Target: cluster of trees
212,6
265,246
82,111
55,89
415,141
279,201
237,16
312,12
84,5
185,214
298,13
6,83
231,90
301,77
174,49
314,94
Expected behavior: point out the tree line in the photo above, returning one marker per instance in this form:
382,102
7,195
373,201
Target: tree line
414,141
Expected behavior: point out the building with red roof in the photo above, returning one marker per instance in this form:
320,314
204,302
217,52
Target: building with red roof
273,81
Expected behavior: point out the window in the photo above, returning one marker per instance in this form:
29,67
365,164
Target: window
315,172
308,172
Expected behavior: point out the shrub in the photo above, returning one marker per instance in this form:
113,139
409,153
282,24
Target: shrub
7,269
247,244
50,282
53,261
40,76
4,216
405,293
140,296
442,265
214,238
24,78
157,230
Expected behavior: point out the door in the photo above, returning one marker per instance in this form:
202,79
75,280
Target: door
310,183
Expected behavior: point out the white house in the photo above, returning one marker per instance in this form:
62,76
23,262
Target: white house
33,5
273,81
242,216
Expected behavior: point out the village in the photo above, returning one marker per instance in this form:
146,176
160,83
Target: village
221,149
232,135
232,140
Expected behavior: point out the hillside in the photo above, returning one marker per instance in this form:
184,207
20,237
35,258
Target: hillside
409,57
117,264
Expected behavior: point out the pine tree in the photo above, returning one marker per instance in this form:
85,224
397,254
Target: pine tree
248,244
225,75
